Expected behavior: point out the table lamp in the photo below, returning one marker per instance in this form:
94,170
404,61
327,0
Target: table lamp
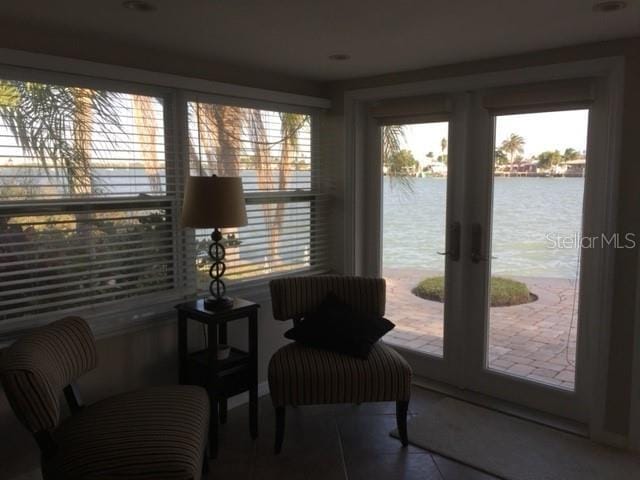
215,202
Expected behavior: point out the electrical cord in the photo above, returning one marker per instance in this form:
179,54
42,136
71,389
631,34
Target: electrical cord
573,313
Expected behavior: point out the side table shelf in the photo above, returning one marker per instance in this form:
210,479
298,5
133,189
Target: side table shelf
233,372
221,378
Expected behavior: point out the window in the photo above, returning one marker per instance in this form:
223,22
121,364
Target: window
272,152
90,198
85,213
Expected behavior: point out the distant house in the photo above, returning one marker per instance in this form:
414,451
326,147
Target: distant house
575,168
508,169
572,168
435,168
525,167
405,171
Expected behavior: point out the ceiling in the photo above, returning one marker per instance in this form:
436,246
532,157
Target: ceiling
296,37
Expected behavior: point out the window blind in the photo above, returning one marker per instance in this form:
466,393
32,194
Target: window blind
558,94
90,197
411,109
272,151
87,212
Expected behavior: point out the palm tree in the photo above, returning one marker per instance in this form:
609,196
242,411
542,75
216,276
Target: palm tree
54,125
570,154
513,146
548,159
219,129
260,146
500,157
219,143
443,148
147,133
393,136
224,132
290,126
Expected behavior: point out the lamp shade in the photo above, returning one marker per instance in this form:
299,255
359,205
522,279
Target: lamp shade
214,202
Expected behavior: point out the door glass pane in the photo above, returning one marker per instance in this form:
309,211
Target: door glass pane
414,215
538,190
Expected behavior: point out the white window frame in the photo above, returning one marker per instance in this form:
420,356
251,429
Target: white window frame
259,287
362,202
176,91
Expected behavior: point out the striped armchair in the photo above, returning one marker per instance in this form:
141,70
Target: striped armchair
300,375
155,433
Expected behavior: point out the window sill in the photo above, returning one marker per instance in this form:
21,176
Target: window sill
138,317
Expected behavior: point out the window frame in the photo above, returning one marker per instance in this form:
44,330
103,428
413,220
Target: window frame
175,92
259,286
139,304
610,73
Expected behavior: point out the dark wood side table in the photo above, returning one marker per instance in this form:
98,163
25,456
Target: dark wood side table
222,378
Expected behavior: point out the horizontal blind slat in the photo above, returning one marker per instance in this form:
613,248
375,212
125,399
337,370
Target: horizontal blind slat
88,300
158,257
53,276
111,228
104,283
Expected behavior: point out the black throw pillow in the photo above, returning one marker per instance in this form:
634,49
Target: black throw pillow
335,326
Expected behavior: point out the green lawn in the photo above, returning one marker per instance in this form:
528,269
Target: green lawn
504,292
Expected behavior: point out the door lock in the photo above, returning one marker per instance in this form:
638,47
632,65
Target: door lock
453,252
477,255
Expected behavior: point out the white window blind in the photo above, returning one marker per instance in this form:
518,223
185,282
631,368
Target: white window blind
557,94
273,153
86,210
400,110
90,198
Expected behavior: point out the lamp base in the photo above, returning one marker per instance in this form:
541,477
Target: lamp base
218,303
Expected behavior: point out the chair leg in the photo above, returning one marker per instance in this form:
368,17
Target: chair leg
280,412
205,462
401,420
223,411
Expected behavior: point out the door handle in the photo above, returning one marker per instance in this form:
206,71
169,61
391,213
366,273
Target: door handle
476,244
453,252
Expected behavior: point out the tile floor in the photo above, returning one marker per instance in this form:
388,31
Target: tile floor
333,442
328,442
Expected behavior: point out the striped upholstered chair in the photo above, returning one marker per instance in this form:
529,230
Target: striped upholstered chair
300,375
155,433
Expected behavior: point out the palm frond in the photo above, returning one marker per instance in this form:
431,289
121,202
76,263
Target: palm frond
393,136
147,132
53,124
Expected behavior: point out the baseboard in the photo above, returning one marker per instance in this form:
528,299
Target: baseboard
613,440
243,398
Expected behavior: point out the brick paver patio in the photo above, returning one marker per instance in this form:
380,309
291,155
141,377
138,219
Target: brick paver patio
536,340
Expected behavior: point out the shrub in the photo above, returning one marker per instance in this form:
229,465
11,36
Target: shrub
504,291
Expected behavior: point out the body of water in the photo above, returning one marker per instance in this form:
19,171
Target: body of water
528,212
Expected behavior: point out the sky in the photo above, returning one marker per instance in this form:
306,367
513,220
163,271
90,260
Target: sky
541,131
546,131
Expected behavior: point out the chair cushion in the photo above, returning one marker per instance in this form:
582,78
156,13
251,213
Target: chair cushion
157,433
300,375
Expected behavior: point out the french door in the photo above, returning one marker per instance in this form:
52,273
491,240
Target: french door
490,240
